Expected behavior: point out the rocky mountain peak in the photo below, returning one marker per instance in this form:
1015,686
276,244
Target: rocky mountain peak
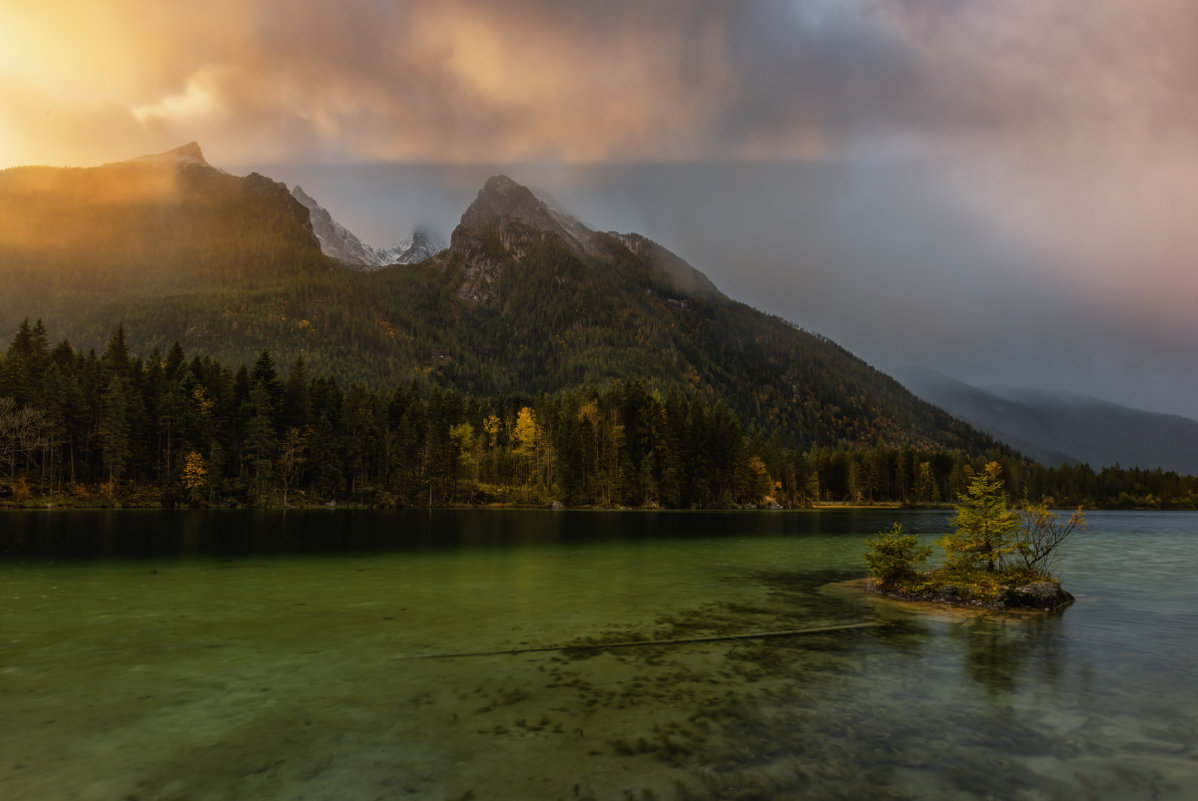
421,245
511,208
335,239
520,216
339,242
303,197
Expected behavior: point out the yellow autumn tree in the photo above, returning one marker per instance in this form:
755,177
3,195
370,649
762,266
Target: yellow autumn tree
492,425
527,438
985,529
195,474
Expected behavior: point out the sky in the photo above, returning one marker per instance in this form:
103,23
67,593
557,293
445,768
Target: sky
1004,191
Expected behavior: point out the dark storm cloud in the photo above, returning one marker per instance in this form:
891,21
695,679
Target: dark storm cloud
994,188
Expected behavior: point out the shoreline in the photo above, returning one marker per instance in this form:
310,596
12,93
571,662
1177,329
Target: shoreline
866,588
52,505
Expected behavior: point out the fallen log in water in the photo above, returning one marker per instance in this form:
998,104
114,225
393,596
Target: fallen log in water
599,646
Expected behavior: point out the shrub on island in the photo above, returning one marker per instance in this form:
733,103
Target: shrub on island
995,557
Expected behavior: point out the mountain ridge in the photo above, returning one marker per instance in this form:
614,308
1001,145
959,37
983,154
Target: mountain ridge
335,239
421,244
526,300
338,242
1065,428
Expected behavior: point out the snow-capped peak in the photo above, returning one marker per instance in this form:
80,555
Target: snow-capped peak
339,242
421,245
335,239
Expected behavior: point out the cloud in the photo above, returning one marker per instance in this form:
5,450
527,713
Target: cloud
197,100
471,81
1033,160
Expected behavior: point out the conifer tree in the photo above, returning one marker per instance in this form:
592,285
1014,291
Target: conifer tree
984,527
114,427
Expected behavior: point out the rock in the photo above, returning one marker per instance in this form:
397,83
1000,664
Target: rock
1037,595
556,505
513,211
949,594
335,239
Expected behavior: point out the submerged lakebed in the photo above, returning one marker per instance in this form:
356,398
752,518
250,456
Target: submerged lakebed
216,655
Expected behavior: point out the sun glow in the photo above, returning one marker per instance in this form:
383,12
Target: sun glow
12,54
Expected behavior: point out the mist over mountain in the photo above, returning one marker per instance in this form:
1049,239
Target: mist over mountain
422,244
338,242
1062,428
526,300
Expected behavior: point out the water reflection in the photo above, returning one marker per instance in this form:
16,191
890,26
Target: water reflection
998,654
90,534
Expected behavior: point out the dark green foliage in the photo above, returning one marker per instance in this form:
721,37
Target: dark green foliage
894,556
556,320
135,425
91,420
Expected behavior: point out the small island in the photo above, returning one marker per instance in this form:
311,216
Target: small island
996,558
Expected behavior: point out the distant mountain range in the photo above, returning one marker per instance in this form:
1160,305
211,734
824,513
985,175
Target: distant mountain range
525,300
340,243
1065,428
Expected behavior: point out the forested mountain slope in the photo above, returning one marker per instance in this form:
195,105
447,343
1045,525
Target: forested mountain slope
179,250
526,300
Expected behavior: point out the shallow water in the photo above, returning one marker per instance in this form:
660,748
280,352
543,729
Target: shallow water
310,656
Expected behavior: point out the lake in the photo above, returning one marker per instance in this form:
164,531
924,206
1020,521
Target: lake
396,655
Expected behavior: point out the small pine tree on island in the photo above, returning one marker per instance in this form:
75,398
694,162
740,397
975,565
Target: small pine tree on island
996,557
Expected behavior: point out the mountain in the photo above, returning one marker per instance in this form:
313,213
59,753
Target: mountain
421,245
507,222
1061,428
180,250
336,240
525,300
158,223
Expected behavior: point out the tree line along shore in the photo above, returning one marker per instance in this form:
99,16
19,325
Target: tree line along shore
114,429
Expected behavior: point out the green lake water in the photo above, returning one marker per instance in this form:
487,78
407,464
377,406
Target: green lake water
319,655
